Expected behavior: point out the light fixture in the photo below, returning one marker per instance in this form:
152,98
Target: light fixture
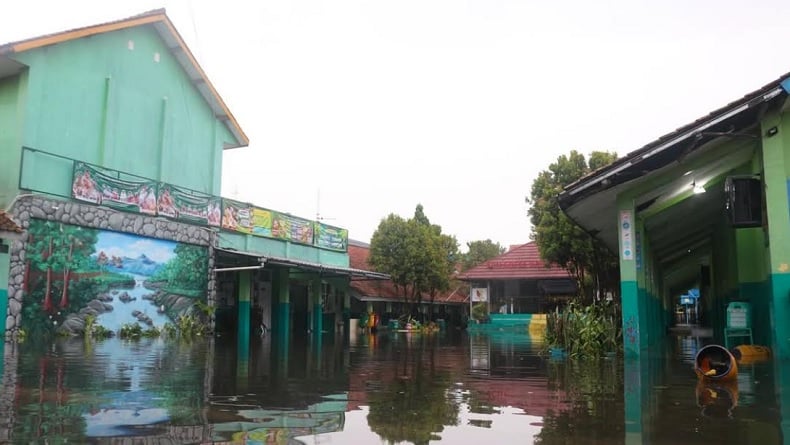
697,189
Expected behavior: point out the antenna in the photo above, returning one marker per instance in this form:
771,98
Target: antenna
318,216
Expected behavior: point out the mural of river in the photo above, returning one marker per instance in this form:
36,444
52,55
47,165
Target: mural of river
133,310
118,278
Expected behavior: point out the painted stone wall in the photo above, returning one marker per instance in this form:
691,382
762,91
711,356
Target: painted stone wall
114,233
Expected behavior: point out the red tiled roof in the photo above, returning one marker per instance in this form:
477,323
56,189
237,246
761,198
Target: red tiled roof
7,224
522,261
358,259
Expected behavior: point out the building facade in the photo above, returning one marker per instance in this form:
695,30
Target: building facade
111,144
704,207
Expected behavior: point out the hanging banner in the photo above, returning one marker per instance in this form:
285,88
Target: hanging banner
93,185
189,206
261,222
236,216
292,228
330,237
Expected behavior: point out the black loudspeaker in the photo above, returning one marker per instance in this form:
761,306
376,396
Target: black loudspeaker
744,201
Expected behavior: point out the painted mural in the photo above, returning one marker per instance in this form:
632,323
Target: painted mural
75,273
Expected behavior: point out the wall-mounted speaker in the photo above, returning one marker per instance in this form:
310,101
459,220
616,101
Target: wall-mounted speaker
744,201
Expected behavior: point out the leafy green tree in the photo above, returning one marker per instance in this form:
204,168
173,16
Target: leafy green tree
559,239
479,252
416,255
73,247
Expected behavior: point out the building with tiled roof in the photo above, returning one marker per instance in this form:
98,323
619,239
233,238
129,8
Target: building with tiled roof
519,282
385,299
8,225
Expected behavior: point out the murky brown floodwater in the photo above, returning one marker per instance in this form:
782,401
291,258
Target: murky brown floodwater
454,388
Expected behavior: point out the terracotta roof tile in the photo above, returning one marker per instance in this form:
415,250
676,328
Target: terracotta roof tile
358,259
522,261
7,224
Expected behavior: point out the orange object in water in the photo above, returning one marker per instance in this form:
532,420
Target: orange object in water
751,353
714,363
717,399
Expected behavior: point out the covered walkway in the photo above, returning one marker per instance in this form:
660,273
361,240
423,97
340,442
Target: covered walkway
704,207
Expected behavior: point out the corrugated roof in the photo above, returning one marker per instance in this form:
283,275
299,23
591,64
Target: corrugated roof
618,171
522,262
7,224
157,18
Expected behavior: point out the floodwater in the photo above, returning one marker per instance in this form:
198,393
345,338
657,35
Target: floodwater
451,387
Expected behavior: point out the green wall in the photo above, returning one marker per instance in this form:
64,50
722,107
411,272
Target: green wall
282,249
97,100
11,99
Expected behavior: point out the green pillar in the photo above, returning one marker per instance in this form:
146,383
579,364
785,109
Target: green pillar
280,288
243,331
634,333
778,213
636,393
318,308
4,269
346,313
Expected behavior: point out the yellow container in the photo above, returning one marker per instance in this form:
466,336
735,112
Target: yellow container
751,353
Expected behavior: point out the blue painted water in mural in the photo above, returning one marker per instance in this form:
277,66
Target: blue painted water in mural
127,312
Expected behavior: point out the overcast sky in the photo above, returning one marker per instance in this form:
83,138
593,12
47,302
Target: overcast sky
375,106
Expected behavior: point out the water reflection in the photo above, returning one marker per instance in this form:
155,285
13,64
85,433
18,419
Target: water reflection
449,387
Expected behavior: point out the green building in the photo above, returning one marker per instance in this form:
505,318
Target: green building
704,207
111,144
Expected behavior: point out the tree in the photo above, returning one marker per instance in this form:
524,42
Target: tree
416,255
479,252
73,247
559,239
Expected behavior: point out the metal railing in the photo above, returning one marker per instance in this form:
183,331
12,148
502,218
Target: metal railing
53,174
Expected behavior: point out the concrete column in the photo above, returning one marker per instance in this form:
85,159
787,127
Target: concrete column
634,333
778,212
4,269
318,308
346,313
243,325
282,296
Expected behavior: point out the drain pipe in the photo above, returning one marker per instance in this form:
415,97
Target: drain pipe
231,269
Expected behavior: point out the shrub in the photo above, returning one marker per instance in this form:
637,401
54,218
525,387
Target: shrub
585,331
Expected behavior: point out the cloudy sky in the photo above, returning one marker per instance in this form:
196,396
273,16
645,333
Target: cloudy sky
360,108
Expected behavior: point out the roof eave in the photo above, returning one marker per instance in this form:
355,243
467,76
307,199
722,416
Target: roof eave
605,177
158,18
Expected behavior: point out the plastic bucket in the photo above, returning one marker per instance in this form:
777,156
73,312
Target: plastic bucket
715,363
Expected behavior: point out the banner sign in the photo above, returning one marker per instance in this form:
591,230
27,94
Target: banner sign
626,238
292,228
261,222
248,219
93,185
479,294
236,216
330,237
188,206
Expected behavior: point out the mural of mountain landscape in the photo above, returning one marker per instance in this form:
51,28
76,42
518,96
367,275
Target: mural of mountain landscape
75,273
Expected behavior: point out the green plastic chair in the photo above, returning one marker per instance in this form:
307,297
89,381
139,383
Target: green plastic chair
739,322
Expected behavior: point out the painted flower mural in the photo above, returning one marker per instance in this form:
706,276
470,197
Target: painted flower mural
75,272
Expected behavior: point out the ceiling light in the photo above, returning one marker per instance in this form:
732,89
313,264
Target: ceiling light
698,189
